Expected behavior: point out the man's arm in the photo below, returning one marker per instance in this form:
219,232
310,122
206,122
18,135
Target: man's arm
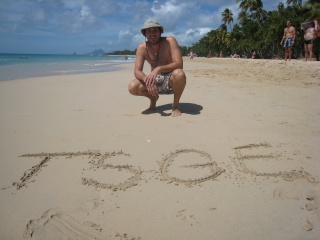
138,68
314,34
140,75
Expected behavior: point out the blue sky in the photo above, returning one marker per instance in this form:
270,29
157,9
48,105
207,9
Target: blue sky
81,26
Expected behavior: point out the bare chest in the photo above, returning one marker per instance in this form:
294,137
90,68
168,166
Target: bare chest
158,56
290,30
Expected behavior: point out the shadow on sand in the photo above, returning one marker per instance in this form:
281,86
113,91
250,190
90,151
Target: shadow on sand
186,108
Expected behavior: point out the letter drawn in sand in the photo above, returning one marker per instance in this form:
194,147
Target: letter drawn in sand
100,163
46,157
256,150
29,173
215,171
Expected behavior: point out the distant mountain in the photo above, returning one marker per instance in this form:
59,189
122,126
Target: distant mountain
97,52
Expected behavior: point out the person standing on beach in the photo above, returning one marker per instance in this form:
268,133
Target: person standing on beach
316,43
288,39
254,55
309,36
166,77
191,54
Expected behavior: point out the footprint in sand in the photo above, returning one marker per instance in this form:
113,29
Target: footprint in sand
54,224
286,193
185,216
312,206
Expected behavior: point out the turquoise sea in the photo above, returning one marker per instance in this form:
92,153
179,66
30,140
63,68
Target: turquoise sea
19,66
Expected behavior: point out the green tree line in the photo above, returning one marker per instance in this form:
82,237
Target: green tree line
258,30
122,52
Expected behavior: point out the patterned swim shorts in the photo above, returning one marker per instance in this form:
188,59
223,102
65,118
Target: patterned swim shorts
162,83
288,42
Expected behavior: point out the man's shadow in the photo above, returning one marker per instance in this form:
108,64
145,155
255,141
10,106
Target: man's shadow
185,108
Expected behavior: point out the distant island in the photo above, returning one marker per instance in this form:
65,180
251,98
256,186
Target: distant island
100,52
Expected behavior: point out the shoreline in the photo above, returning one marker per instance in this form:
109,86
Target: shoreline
80,156
118,66
39,74
53,65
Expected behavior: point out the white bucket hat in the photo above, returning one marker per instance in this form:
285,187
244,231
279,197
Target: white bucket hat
149,24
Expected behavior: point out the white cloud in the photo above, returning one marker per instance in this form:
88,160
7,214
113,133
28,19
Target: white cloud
107,24
191,36
85,11
124,34
172,14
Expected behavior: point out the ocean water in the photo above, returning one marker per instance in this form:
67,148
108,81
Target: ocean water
19,66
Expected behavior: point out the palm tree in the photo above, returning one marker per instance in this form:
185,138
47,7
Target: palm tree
255,7
314,9
280,7
242,17
250,5
259,14
223,37
227,17
294,2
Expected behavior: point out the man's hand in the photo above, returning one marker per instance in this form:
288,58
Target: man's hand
152,90
150,82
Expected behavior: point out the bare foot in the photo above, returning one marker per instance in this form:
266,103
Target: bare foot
176,112
153,102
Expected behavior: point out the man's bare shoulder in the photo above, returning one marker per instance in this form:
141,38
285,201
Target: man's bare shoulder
141,49
171,41
142,46
170,38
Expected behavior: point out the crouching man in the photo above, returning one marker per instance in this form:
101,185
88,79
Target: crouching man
166,77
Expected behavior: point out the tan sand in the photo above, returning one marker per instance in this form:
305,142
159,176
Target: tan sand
80,159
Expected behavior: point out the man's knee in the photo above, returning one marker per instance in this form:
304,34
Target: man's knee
179,76
132,88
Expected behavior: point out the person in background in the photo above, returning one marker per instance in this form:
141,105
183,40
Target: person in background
288,40
309,36
316,43
254,55
191,54
167,75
